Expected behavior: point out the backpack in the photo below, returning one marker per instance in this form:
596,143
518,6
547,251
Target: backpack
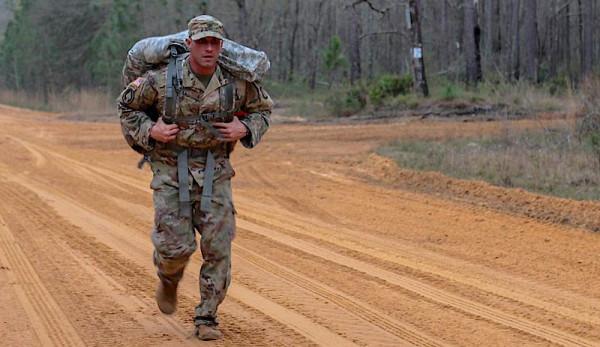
155,52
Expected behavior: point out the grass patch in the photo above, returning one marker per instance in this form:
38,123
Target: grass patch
548,161
79,101
295,99
514,97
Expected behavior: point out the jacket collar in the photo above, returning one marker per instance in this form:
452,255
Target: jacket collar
191,81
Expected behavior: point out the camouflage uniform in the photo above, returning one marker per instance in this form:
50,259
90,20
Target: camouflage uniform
173,236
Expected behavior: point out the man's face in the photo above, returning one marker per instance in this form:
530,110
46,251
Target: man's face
205,51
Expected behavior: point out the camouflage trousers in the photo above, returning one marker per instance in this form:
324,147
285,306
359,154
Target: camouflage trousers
174,240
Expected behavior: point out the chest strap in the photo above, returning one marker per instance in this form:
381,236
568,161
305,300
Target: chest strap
185,204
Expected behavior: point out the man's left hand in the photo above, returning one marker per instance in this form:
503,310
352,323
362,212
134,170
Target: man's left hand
232,131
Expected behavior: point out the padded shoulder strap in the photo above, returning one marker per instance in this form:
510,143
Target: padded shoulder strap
226,95
170,102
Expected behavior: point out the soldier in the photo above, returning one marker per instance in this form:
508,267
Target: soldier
188,146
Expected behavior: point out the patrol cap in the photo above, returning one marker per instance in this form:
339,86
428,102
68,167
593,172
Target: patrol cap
205,26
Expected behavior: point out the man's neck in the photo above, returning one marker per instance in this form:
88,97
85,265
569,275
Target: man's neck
200,70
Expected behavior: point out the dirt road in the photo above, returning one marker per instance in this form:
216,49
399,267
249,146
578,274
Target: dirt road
335,246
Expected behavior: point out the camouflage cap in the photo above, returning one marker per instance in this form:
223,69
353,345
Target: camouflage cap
205,26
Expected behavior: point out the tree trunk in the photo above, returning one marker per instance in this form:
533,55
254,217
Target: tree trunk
316,28
281,35
471,43
516,43
243,21
498,47
488,31
417,51
567,51
447,40
587,41
554,39
293,39
355,34
530,54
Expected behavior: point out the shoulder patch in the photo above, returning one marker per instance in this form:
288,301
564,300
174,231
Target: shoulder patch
128,95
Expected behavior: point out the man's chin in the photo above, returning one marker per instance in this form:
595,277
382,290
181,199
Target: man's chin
208,64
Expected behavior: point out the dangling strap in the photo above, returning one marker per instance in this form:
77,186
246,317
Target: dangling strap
185,205
207,183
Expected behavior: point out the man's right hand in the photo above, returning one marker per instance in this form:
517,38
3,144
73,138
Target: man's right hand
163,132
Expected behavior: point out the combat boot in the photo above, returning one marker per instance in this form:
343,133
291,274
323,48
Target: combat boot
208,332
166,296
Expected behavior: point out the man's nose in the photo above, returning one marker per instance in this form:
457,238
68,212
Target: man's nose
211,46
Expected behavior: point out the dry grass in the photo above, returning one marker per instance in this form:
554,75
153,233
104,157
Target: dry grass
514,98
545,160
81,101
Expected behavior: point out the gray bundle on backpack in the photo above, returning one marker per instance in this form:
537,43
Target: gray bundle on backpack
153,52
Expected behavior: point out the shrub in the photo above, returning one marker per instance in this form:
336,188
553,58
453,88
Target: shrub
450,92
389,86
408,101
588,127
347,102
558,85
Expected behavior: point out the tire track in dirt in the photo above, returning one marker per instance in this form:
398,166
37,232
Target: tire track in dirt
316,308
253,336
327,315
288,202
437,295
85,170
388,250
289,318
141,283
49,322
382,320
127,180
430,292
137,185
314,332
39,158
332,317
323,334
372,246
65,240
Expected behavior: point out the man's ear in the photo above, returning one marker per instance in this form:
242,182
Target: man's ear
188,42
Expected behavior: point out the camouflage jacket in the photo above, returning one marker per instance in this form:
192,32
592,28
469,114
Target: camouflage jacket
143,100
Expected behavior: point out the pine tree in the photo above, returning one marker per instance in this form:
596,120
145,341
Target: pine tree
333,58
110,45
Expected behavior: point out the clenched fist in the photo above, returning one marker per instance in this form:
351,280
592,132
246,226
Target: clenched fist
163,132
232,131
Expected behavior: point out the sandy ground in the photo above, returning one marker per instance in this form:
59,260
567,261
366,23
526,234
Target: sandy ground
335,246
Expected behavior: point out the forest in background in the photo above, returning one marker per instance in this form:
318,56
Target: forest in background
58,46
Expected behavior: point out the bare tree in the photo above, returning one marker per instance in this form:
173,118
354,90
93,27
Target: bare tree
530,53
471,42
243,20
516,42
293,36
316,29
354,37
587,39
414,25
